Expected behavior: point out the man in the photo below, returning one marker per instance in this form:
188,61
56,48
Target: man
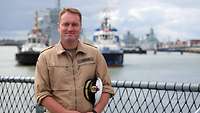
63,69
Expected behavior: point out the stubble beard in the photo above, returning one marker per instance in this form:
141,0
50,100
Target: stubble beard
70,39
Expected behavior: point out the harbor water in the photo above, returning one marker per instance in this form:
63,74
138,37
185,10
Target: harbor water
164,67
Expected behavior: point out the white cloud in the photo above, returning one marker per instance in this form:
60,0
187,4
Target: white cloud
134,14
112,14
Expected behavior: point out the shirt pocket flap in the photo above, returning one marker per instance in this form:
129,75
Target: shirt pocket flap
86,63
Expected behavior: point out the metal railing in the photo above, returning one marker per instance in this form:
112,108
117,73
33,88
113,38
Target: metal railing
17,96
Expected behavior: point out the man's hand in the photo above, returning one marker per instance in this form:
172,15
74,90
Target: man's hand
99,107
54,107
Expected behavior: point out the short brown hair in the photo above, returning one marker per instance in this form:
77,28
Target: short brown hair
71,10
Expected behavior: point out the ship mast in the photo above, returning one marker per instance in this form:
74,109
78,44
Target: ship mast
36,27
106,17
36,20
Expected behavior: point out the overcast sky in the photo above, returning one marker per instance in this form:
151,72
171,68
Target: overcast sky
170,19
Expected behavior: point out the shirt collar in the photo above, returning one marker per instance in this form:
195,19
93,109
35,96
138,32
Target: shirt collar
80,48
59,48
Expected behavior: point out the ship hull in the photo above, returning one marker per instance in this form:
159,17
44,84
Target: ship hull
27,58
135,51
114,59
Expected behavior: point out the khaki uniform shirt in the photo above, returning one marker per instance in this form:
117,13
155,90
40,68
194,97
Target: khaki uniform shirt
63,77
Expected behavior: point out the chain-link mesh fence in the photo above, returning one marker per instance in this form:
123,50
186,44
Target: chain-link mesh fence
17,96
154,97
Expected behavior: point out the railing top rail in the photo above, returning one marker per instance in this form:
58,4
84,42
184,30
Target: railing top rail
173,86
17,79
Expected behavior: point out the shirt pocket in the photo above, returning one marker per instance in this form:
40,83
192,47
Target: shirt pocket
87,69
60,77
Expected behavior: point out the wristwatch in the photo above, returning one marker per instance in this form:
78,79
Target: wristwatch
94,111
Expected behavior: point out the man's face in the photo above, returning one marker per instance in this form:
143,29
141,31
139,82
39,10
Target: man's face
69,27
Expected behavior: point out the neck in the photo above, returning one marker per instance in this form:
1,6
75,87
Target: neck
69,45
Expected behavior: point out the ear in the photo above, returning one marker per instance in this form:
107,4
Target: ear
58,28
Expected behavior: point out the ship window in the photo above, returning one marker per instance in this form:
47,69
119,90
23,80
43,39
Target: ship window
29,40
34,40
106,37
38,40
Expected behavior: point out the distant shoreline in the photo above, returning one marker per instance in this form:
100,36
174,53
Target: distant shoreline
193,50
9,42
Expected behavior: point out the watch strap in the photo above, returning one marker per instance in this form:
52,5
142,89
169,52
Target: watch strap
94,111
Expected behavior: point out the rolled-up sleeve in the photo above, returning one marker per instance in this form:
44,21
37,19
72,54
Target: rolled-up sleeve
102,72
42,83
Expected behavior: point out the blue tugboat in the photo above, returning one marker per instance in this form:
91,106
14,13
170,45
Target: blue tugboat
106,39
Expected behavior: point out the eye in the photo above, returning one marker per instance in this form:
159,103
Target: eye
70,24
75,24
65,24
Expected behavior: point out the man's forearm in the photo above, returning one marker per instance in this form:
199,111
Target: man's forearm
54,107
102,103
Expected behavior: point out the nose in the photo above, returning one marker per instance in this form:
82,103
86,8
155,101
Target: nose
70,27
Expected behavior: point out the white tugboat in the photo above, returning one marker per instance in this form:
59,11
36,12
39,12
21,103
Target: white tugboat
36,42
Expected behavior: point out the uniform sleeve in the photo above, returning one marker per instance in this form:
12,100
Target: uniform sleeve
42,86
102,72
